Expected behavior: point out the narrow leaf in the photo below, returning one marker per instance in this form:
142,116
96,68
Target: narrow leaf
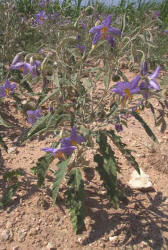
107,168
121,146
3,123
3,144
75,198
145,126
59,176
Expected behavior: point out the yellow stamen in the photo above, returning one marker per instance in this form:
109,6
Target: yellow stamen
22,68
7,91
74,143
127,93
104,32
60,155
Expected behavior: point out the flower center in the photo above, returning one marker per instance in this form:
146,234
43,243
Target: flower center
60,155
127,93
22,68
7,90
74,143
41,18
104,32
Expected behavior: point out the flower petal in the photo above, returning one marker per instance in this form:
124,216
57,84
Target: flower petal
107,21
155,73
134,82
114,30
154,84
96,38
96,29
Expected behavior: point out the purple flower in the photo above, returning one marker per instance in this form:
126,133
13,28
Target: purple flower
152,78
126,89
7,88
143,68
165,31
103,30
60,152
81,48
118,127
40,17
25,67
33,116
73,140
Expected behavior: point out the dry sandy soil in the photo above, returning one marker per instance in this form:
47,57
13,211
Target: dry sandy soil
31,221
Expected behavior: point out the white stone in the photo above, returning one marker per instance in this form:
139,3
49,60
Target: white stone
140,181
11,150
5,235
112,238
22,235
50,246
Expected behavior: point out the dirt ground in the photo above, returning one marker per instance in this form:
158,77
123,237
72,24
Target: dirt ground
31,221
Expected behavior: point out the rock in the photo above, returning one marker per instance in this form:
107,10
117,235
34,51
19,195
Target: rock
140,182
8,224
15,248
5,235
33,231
22,235
112,238
11,150
50,246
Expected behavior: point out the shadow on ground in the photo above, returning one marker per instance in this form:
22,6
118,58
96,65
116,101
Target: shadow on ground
143,219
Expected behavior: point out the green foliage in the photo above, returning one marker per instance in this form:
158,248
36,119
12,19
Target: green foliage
75,199
107,168
145,126
3,144
121,146
3,123
59,176
12,182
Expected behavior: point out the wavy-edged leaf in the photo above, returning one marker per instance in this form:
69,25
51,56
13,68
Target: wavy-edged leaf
59,176
107,168
75,200
121,146
3,144
153,111
3,123
145,126
42,167
113,108
40,125
48,97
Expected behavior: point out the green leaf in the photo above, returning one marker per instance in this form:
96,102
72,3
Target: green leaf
59,176
48,97
121,146
153,111
75,200
42,167
113,108
40,124
3,144
107,168
3,123
145,126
